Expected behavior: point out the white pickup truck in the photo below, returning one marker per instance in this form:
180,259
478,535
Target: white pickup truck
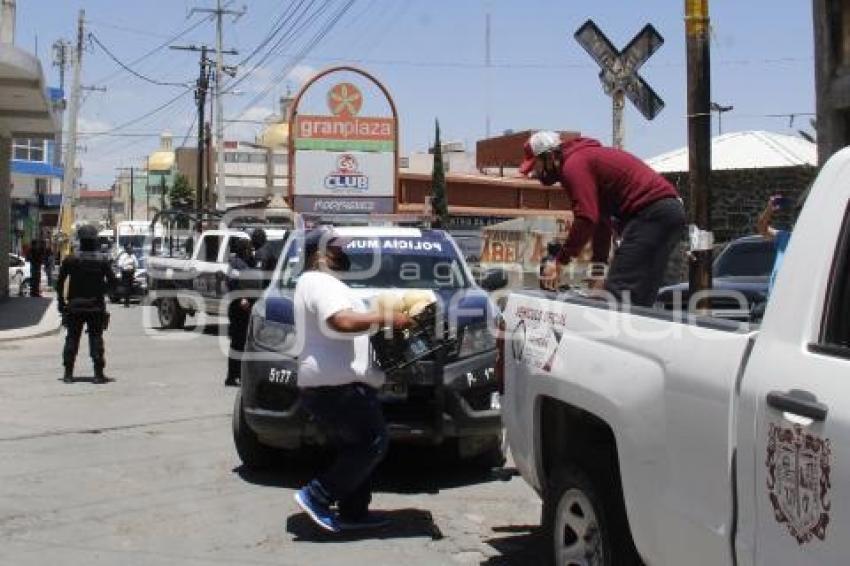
670,439
181,286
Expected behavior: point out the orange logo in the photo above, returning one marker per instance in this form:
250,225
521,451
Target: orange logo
345,100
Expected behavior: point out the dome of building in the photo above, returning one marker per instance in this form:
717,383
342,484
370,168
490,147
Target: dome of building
163,158
274,135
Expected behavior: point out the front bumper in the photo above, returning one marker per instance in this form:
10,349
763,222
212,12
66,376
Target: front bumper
456,404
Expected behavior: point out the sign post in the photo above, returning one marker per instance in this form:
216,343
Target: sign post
342,159
619,74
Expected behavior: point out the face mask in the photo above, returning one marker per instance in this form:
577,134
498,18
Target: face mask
549,178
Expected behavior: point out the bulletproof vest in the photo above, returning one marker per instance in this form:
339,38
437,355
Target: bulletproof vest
87,281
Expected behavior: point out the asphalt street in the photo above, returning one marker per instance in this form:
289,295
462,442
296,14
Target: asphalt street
142,470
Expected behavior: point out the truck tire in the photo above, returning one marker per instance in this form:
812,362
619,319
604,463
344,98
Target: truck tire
253,453
584,524
171,314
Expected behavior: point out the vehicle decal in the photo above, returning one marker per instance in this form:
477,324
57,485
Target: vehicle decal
798,481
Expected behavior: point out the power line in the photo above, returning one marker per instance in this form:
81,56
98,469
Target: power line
133,72
128,29
322,33
157,48
146,115
293,28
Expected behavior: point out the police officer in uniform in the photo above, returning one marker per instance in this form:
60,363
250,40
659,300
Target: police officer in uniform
84,279
240,278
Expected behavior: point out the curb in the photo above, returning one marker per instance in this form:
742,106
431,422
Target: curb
49,325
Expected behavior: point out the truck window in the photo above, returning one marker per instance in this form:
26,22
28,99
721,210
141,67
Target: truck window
835,334
231,245
209,248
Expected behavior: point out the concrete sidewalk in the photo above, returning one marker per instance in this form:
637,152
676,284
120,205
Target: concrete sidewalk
28,317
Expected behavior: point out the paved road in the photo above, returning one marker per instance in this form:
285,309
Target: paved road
143,471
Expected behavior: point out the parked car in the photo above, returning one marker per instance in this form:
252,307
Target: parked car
426,403
662,439
741,269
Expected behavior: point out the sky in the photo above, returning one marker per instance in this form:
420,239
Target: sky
431,56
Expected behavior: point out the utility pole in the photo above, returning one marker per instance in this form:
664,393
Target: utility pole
220,70
69,191
202,87
699,144
61,59
132,191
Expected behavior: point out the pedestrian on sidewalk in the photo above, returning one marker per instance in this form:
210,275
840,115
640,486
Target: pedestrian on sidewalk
127,265
36,259
608,186
84,278
49,263
239,310
338,385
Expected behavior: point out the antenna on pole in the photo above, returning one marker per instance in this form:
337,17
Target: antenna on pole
487,64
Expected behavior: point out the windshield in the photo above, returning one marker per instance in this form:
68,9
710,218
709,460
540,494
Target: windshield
387,263
746,259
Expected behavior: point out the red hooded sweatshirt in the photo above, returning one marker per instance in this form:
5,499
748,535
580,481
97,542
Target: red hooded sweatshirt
604,182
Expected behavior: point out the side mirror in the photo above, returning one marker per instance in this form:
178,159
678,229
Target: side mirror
494,279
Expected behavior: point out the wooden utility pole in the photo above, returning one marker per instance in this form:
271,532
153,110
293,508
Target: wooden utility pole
220,70
699,143
201,90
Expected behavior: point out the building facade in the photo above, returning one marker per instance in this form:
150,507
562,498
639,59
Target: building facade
36,184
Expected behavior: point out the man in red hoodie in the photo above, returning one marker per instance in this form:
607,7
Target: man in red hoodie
608,186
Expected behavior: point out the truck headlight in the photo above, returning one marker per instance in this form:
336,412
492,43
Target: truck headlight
269,335
475,339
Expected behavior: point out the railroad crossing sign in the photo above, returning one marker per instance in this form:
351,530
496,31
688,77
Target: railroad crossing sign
619,74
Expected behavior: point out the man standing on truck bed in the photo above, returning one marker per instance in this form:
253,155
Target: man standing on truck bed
607,185
338,384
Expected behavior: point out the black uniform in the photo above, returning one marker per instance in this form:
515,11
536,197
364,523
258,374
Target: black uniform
84,279
238,315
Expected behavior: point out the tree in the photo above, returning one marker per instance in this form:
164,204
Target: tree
439,204
181,194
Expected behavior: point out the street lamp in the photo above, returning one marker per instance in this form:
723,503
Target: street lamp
720,109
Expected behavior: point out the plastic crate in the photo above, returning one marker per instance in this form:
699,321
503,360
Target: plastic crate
399,349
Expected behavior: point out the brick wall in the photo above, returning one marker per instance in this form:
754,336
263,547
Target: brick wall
738,197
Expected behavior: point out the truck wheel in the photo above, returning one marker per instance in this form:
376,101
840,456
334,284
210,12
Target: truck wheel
252,452
171,315
583,526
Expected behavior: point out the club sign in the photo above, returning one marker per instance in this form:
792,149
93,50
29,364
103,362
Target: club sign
343,160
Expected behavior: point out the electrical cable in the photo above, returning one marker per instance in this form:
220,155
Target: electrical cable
322,33
133,72
156,49
293,28
146,115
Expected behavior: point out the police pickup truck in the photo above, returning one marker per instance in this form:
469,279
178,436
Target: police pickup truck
181,286
427,403
666,438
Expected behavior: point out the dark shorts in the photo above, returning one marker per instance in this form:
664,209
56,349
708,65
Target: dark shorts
649,237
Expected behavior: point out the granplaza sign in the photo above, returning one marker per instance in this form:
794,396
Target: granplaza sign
343,162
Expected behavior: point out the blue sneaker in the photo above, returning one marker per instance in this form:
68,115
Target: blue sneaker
320,514
369,521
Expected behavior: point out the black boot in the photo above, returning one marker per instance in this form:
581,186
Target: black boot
99,378
69,375
233,370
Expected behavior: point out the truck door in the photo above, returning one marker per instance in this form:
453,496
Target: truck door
206,265
801,398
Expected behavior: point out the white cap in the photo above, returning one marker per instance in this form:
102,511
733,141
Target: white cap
543,141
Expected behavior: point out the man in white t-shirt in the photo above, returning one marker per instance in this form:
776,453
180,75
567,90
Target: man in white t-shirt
339,385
